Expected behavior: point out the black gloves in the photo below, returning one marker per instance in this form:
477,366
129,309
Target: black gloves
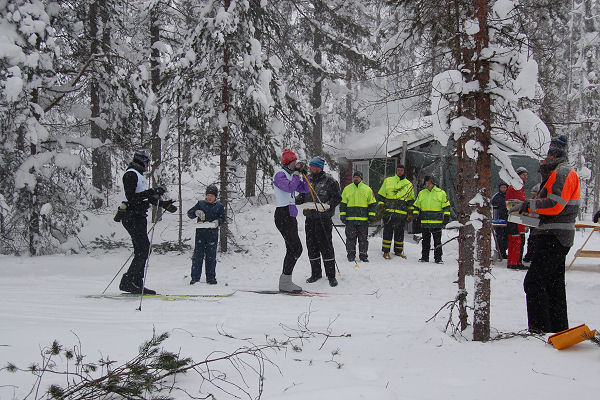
524,208
596,217
301,167
446,219
160,190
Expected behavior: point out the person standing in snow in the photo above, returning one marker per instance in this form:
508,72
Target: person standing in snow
325,196
357,209
210,214
286,182
557,204
137,198
501,214
432,211
516,232
396,198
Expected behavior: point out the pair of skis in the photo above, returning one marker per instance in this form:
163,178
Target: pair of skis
118,296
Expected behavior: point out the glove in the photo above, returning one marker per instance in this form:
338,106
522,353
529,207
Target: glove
301,167
446,219
159,190
169,206
297,173
524,208
596,217
200,214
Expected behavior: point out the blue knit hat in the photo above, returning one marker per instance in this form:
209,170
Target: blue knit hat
558,146
317,162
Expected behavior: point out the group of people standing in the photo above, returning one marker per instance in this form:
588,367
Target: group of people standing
318,193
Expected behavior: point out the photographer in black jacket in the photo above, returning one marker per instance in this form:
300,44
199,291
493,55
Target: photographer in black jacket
137,198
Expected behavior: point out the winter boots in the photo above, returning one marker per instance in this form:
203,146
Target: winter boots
286,284
387,256
129,285
313,278
332,281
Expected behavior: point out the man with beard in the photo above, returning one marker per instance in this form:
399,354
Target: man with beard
557,204
325,196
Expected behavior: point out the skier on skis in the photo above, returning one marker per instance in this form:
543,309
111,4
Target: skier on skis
137,198
324,196
210,214
286,182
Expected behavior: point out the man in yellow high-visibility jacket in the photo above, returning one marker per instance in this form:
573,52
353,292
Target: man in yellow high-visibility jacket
357,209
432,209
396,197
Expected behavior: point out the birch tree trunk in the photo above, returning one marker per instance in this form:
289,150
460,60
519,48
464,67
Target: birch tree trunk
155,77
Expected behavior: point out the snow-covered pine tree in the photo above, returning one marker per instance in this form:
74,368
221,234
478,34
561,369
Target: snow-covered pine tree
40,166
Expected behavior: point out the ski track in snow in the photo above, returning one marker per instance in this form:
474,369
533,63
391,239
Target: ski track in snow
392,352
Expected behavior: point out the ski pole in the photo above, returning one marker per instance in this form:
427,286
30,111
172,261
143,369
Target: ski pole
157,218
313,193
125,263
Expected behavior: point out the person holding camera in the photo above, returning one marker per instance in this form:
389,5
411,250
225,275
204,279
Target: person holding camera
137,198
210,214
287,181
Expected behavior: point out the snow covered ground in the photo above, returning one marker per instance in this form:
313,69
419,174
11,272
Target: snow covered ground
392,352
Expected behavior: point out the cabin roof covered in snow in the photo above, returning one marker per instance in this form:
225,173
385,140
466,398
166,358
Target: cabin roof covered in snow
381,142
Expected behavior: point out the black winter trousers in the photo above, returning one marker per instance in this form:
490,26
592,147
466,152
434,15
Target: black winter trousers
426,243
354,232
393,229
136,226
544,286
502,238
319,244
288,227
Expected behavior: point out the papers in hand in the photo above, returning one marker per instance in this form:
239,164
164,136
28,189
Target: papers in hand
312,206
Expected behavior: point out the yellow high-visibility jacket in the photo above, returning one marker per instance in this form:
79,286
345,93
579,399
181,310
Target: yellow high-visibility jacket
397,195
358,204
431,206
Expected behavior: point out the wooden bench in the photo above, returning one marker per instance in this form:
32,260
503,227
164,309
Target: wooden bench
582,252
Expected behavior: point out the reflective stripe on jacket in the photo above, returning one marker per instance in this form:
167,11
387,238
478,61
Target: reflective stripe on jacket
397,194
558,204
432,205
358,204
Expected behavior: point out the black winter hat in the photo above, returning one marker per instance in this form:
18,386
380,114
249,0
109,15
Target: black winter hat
400,166
357,173
558,146
427,179
212,189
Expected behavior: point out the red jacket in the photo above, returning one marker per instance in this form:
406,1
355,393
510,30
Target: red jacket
512,194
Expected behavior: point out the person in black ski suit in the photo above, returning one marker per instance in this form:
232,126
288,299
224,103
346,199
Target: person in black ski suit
501,213
137,198
318,225
210,214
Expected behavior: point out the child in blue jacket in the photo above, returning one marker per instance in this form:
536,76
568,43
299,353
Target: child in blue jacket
210,215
